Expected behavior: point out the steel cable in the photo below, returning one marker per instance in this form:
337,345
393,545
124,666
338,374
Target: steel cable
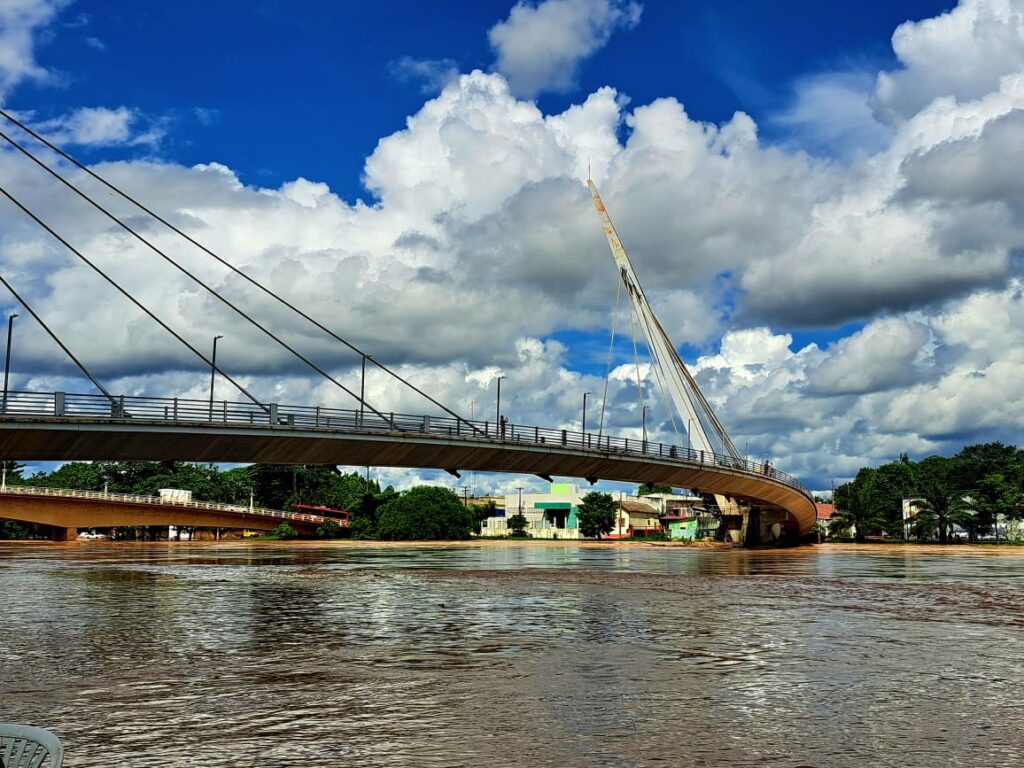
233,268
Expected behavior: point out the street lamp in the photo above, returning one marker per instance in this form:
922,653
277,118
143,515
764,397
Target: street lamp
7,360
643,421
213,371
497,412
689,435
583,428
362,387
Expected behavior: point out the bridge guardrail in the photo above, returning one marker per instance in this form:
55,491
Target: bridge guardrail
274,415
129,498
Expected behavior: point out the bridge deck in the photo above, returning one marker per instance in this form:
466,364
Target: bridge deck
55,426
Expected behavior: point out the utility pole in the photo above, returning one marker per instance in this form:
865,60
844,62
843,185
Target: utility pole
583,428
362,390
465,495
497,413
7,360
213,370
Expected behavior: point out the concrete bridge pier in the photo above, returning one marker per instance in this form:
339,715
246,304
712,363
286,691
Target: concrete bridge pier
64,534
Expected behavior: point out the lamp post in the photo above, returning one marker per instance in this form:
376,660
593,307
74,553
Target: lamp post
643,422
583,428
362,388
7,360
497,410
689,435
213,370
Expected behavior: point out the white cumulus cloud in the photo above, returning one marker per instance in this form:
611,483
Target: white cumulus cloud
20,20
540,47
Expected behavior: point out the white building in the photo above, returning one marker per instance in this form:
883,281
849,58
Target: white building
553,515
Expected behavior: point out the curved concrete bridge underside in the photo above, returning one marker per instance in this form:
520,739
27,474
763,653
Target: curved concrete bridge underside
69,510
33,438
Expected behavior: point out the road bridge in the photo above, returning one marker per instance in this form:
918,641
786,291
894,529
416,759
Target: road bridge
67,510
64,426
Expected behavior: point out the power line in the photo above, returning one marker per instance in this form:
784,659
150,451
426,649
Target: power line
184,271
126,294
56,338
236,270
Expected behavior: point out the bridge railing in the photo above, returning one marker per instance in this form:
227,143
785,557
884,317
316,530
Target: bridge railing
274,415
130,498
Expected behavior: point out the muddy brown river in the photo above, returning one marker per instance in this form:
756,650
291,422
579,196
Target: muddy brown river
310,655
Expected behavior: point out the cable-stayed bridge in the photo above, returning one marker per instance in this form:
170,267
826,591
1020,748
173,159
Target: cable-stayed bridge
104,425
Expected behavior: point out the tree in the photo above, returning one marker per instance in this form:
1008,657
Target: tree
995,497
596,514
941,509
14,471
883,492
425,512
854,510
331,529
646,489
517,523
284,532
481,512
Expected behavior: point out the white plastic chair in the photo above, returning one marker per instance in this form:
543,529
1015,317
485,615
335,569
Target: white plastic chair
25,746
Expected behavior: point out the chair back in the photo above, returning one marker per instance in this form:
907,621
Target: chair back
25,746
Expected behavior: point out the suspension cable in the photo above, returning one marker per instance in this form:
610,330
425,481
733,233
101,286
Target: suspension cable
185,271
56,338
636,361
659,374
611,349
251,280
128,295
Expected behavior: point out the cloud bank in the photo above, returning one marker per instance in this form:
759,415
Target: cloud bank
482,247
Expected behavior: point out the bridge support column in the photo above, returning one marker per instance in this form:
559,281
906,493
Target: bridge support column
64,534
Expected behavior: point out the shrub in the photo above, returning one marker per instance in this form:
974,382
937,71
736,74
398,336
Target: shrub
332,529
425,512
284,532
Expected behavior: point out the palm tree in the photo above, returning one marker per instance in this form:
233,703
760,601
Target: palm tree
940,510
851,511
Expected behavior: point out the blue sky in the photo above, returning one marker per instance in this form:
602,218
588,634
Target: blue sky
278,90
815,195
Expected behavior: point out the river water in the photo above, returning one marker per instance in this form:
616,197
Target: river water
299,655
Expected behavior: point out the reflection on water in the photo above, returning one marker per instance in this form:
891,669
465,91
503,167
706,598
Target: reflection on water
156,655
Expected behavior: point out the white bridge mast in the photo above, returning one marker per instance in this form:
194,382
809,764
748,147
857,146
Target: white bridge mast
705,432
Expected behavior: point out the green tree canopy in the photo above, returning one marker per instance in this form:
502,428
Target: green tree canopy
425,512
942,508
596,514
646,489
517,522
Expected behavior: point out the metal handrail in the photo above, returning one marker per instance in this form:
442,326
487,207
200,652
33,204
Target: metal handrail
129,498
176,410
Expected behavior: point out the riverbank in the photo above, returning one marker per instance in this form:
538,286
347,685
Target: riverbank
616,544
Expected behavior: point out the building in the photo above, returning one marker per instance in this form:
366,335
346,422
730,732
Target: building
824,516
679,504
635,518
549,515
553,515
